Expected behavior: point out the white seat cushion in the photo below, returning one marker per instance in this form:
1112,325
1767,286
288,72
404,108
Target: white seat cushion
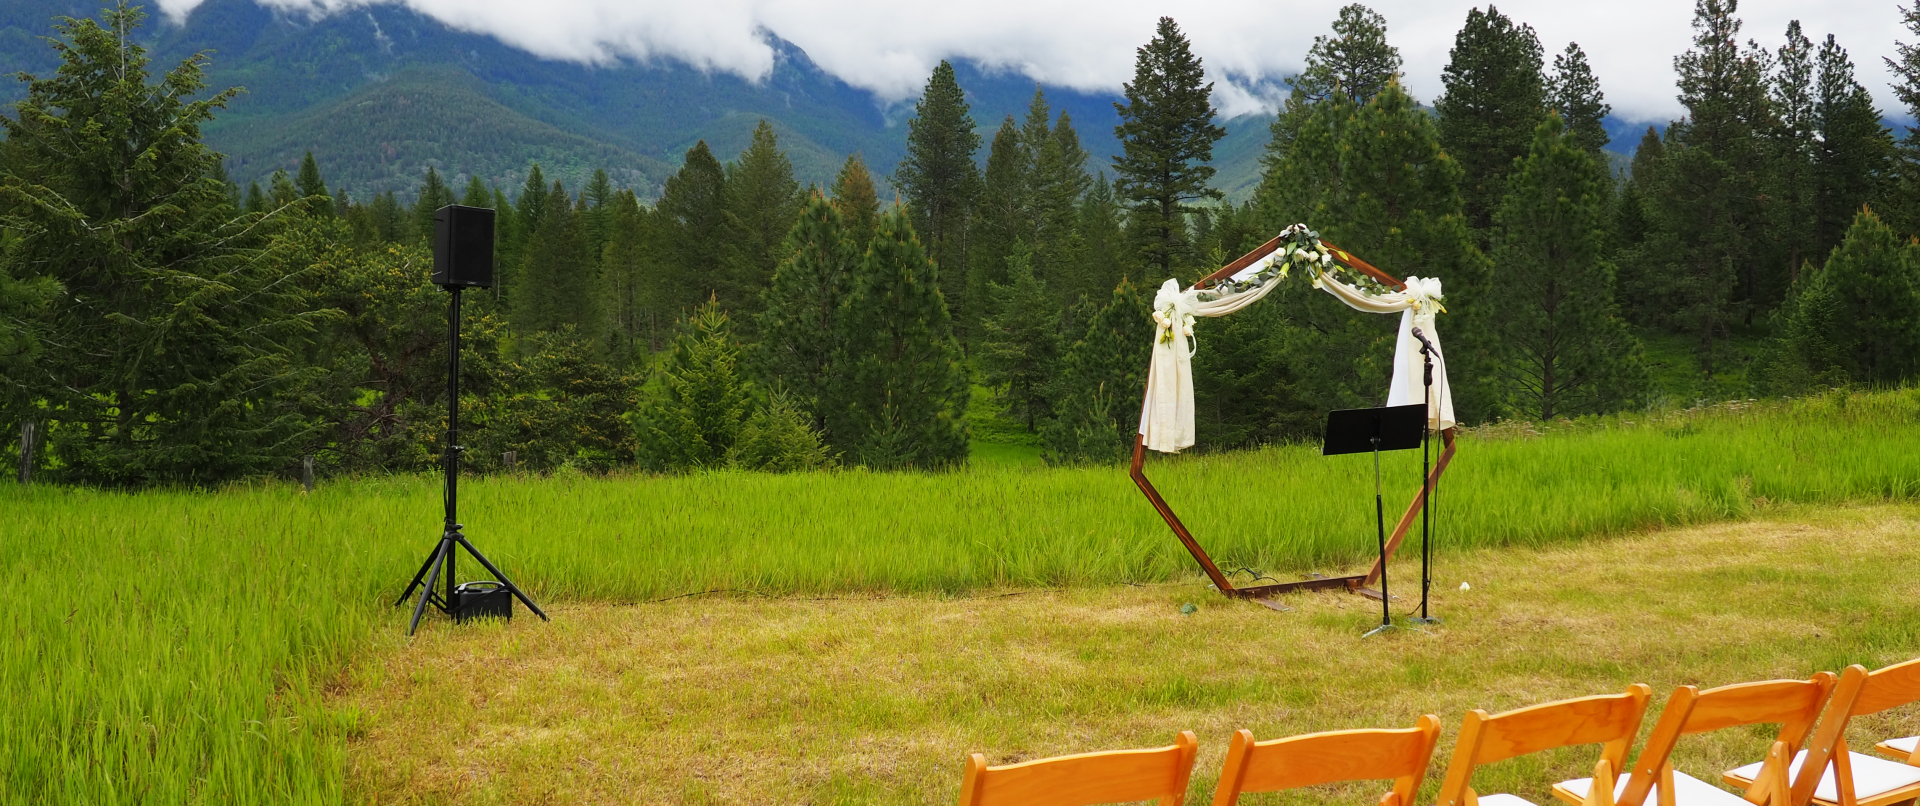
1904,745
1513,800
1687,791
1871,776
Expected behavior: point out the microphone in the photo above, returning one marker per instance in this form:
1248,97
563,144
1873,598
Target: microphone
1425,346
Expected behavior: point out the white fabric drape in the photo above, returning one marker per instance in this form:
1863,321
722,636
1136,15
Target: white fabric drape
1166,416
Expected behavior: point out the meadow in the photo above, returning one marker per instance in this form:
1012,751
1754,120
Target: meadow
188,646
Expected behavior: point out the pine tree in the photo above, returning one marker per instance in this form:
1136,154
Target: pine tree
799,321
900,391
281,194
1854,152
1574,92
256,200
180,328
598,197
1020,341
630,274
477,194
1101,379
1166,134
1000,219
779,438
1058,181
1902,207
858,203
697,238
389,221
1375,181
434,194
939,180
1791,148
1567,352
313,188
693,414
762,202
1100,232
560,284
1710,219
1639,282
1355,63
1857,319
1495,96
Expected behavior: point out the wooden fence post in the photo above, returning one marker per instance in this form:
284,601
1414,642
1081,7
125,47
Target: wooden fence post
306,473
26,452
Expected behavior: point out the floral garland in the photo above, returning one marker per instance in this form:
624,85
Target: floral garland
1300,246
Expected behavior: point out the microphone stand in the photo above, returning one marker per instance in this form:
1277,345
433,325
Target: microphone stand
1426,480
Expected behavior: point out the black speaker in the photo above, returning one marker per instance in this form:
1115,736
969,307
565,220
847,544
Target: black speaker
463,247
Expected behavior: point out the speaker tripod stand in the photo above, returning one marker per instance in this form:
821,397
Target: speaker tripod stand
441,562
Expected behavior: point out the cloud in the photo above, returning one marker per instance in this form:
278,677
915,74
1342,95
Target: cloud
889,46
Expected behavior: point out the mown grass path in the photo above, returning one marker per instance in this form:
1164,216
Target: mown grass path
176,646
863,700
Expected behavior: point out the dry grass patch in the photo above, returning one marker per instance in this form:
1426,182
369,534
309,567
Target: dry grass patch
868,700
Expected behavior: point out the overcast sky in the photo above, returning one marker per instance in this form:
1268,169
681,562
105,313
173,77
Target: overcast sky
889,47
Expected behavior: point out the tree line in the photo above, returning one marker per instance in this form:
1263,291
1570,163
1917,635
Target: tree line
167,326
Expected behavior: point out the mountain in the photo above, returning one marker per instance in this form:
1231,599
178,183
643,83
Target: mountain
379,93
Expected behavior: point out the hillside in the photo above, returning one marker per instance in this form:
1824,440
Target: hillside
381,92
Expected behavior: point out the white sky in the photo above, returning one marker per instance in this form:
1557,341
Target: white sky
889,46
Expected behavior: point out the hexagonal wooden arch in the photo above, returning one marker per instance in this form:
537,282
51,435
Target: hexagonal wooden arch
1352,583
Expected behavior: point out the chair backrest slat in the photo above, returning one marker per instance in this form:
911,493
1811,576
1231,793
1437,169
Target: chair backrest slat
1598,719
1890,687
1609,719
1319,758
1793,704
1117,776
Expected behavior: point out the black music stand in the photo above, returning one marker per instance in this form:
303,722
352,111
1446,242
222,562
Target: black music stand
1389,428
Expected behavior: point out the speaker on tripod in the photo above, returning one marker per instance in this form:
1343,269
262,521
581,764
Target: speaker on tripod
462,259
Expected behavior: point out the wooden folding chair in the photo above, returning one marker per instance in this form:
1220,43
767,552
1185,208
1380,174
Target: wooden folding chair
1792,704
1848,778
1611,720
1115,776
1323,758
1895,686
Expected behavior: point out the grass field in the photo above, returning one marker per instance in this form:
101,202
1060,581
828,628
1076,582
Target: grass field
866,700
180,647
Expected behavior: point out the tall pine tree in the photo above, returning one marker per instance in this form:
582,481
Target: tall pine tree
1574,92
900,391
1567,351
1166,136
799,322
697,236
1020,343
1495,96
939,180
180,329
762,202
859,204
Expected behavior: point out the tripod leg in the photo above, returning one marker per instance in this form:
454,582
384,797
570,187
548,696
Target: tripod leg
502,577
431,556
433,573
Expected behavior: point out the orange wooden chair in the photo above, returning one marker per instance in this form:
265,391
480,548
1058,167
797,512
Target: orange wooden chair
1115,776
1899,684
1323,758
1848,778
1611,720
1793,704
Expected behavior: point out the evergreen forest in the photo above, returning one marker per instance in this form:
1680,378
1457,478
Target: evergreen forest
162,323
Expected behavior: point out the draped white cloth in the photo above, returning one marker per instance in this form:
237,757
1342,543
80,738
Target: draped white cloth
1166,417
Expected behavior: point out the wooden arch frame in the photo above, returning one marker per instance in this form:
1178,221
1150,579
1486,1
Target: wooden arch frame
1352,583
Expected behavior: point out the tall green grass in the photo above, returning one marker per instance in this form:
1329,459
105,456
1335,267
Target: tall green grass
176,646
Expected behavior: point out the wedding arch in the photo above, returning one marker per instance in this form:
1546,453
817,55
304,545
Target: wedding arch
1166,415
